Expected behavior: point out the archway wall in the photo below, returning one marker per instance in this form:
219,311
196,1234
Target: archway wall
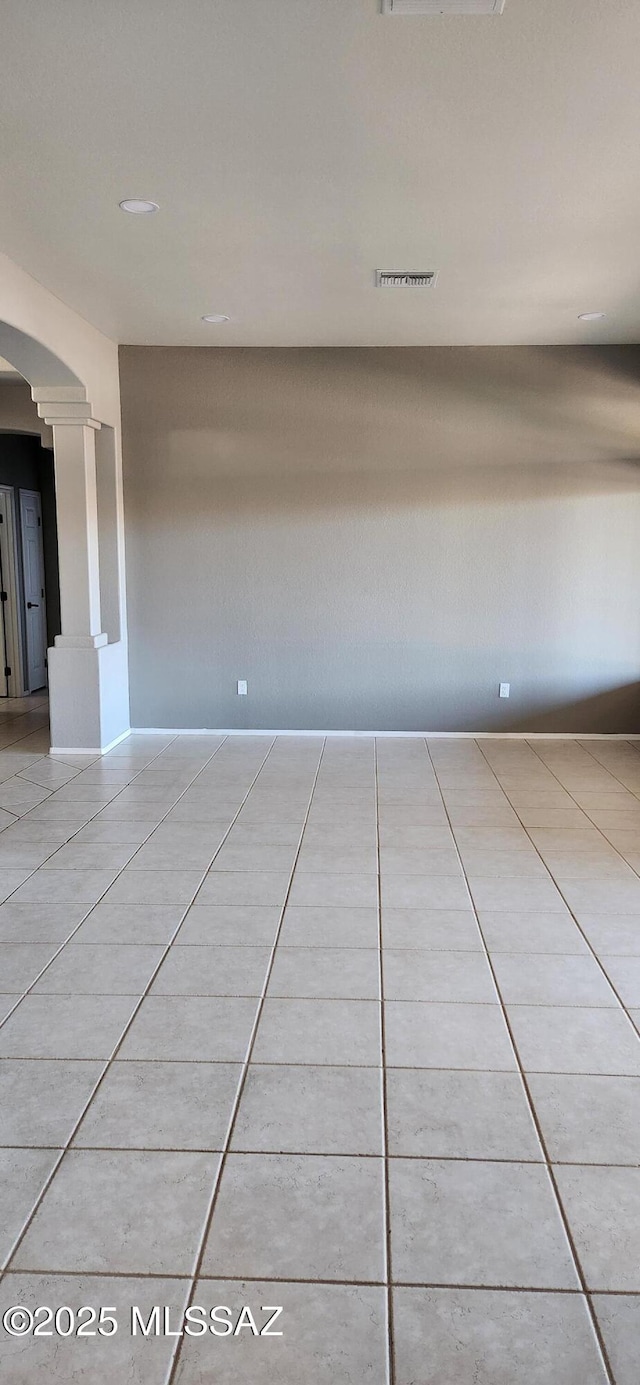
73,373
76,350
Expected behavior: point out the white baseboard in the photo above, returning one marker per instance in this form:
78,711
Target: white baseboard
84,750
422,735
74,750
124,736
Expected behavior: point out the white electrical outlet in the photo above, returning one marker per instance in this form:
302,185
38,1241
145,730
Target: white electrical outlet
505,690
242,687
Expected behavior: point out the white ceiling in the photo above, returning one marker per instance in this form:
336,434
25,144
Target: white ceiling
296,146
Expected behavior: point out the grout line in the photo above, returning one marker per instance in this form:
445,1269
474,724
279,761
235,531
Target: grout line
635,1027
453,1286
90,906
196,1273
200,1251
370,1067
291,1152
132,1017
534,1117
390,1334
339,999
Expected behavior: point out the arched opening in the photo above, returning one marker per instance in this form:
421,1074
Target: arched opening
86,656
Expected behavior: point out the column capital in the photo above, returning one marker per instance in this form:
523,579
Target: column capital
68,415
80,641
64,406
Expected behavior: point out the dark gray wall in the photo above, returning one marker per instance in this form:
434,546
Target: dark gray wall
26,465
375,538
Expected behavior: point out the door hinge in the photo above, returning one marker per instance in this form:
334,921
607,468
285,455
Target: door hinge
39,522
3,596
7,673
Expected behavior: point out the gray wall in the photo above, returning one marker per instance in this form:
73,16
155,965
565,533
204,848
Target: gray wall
18,411
374,538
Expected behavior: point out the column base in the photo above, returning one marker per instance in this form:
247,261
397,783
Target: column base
88,694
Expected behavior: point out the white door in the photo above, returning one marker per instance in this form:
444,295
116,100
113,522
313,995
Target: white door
4,653
33,581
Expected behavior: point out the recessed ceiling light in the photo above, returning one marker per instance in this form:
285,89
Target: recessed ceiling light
215,317
137,207
590,317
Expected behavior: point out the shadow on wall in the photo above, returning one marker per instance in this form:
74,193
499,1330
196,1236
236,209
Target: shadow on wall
257,411
617,708
376,538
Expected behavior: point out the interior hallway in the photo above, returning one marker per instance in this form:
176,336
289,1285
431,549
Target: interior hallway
196,936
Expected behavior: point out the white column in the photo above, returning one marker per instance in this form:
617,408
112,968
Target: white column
77,509
81,668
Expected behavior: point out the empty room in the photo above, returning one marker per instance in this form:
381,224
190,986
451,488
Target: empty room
319,692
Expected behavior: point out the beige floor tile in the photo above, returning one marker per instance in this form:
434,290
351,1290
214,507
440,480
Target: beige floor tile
129,923
214,1029
23,1174
419,861
21,964
298,1216
469,1222
156,1206
229,925
62,886
523,864
541,979
239,971
603,1212
117,1357
165,856
40,1102
422,838
161,1106
602,896
588,1120
38,923
62,1026
585,839
334,860
619,1319
481,1337
245,888
583,866
254,858
92,969
331,1333
531,932
434,929
323,972
437,976
319,1031
154,887
523,896
446,1036
624,974
459,1115
577,1039
309,926
491,838
334,891
424,892
613,934
316,1110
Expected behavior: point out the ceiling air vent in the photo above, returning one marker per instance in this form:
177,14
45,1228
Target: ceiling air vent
443,6
404,279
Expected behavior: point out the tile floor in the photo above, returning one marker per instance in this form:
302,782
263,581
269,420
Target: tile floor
204,1102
